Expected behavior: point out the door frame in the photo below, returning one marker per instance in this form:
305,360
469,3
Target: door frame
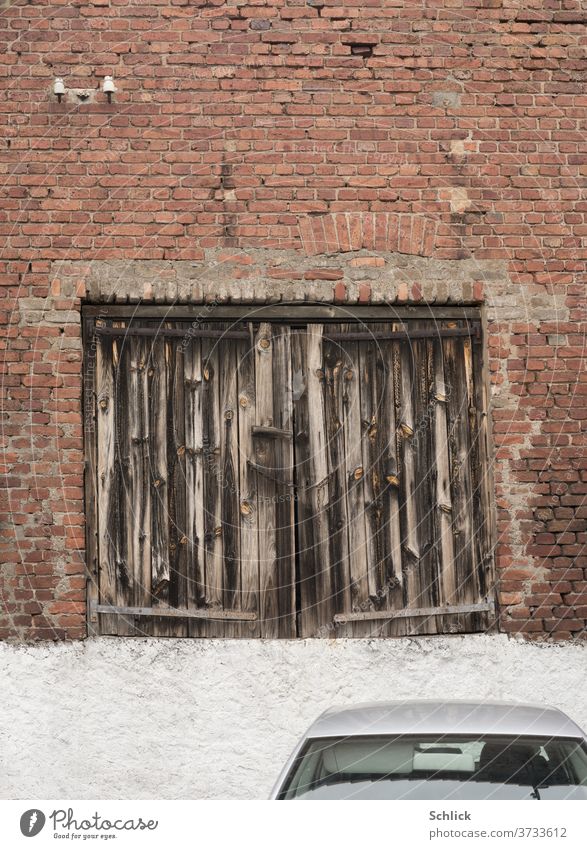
290,313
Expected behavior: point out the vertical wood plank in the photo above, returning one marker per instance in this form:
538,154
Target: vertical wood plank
480,509
212,472
176,461
460,469
307,563
381,480
316,584
248,508
444,509
134,567
89,409
391,476
194,484
107,489
367,359
355,502
484,514
231,581
408,504
158,468
264,458
338,520
284,471
425,490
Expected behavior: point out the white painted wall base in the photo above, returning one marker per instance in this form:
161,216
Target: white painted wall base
142,718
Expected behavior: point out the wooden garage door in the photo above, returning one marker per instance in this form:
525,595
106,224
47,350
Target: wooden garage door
266,479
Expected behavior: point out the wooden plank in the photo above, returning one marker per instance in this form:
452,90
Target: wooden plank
161,331
415,612
160,480
158,469
461,486
132,517
383,469
265,458
356,527
484,514
381,476
176,465
381,334
334,366
316,608
139,492
175,613
367,361
282,312
229,476
443,514
248,508
107,489
284,498
89,409
212,487
426,571
306,560
194,482
407,497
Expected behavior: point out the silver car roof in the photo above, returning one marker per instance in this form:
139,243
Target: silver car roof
448,717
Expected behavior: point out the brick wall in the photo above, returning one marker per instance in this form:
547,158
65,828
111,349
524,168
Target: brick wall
382,149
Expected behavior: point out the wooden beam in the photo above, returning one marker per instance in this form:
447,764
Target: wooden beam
186,332
409,613
282,312
376,336
187,613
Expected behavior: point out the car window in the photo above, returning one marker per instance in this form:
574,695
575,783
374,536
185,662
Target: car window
460,767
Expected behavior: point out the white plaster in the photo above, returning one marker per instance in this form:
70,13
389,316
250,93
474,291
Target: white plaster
143,718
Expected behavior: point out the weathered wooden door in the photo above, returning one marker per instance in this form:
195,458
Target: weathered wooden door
272,480
191,480
391,468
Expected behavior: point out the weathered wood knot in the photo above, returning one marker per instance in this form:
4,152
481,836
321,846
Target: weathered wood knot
264,343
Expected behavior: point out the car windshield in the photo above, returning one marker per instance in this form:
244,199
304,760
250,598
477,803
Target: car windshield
447,767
